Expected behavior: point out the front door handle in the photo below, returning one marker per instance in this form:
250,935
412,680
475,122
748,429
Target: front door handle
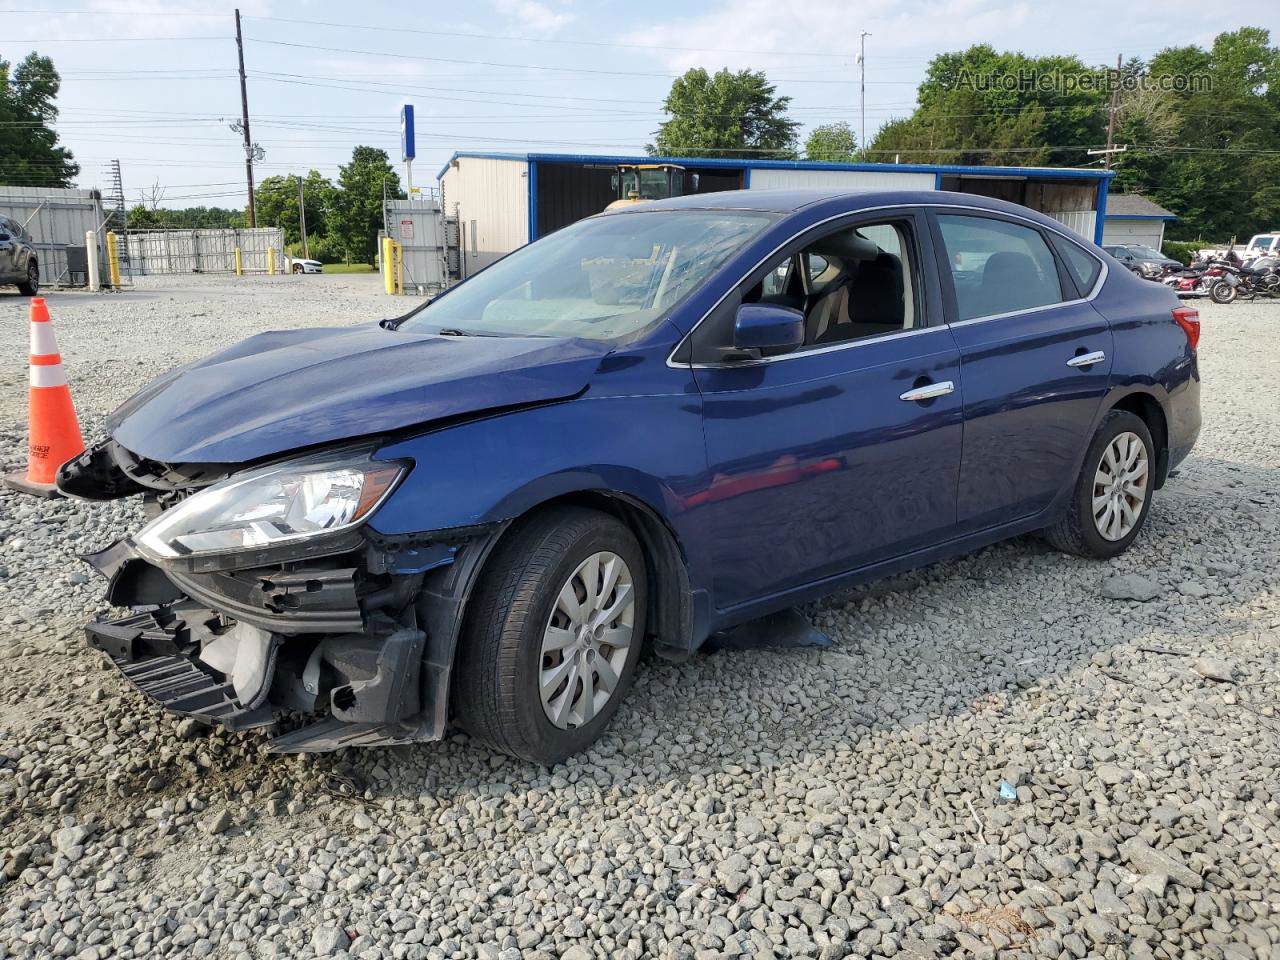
929,391
1087,359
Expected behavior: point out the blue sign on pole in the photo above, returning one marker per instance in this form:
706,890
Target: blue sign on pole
407,150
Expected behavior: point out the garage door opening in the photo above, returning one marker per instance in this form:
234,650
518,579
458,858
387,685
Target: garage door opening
1072,203
566,192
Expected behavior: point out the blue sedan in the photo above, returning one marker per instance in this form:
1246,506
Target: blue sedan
650,426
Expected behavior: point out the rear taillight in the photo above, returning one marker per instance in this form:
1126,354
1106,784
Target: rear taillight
1188,318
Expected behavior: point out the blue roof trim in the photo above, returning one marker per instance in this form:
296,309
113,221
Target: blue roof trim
1062,173
1100,211
1134,216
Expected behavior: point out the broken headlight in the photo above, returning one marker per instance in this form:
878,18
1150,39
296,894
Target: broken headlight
271,506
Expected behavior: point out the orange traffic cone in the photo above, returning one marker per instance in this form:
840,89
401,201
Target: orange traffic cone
54,432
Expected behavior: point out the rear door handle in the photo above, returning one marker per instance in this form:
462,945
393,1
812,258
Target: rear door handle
929,391
1087,359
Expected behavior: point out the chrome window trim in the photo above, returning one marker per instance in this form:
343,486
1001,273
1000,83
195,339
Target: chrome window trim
1062,232
829,348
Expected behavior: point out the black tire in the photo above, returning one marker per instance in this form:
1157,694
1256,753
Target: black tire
498,663
1222,292
297,268
1076,532
32,285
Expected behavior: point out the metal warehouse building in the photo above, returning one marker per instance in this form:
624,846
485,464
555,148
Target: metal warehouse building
504,200
1131,218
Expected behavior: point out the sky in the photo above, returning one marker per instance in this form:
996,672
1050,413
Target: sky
154,84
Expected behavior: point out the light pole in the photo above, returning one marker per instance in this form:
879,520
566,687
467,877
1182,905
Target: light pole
862,62
302,220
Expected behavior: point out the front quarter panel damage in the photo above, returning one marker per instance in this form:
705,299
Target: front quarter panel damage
352,649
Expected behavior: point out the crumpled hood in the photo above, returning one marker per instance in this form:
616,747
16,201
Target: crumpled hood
278,391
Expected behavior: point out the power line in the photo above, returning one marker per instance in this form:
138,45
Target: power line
550,40
44,40
523,66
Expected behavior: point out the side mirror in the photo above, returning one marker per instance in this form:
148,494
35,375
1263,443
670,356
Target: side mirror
765,328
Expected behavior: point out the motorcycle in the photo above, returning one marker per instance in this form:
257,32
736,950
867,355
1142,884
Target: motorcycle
1193,281
1261,279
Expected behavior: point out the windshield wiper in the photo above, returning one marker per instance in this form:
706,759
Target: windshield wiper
453,332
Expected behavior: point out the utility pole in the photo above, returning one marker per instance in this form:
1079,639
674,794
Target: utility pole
1111,121
244,122
862,61
302,221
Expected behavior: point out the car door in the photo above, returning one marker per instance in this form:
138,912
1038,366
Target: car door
845,451
1036,358
10,244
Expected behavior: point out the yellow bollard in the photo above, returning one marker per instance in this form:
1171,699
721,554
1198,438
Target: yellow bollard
271,259
113,260
399,267
239,265
388,268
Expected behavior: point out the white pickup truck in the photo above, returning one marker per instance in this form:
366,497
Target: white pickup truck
1262,245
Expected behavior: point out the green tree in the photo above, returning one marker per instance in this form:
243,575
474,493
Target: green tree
29,151
1211,155
738,114
357,203
276,199
142,217
831,143
971,110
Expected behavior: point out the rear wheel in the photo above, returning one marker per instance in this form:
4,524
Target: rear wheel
32,285
1113,492
1222,292
553,635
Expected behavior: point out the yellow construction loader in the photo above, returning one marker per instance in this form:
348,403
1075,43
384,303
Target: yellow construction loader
641,182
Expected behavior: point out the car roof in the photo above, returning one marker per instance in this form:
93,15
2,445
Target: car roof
840,198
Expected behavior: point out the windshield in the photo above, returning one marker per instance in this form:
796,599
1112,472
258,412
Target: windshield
1146,253
602,278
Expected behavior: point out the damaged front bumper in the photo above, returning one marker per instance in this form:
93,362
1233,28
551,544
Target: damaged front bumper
348,650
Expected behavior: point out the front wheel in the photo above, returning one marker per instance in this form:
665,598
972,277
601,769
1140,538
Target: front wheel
297,268
31,286
1112,495
551,641
1222,292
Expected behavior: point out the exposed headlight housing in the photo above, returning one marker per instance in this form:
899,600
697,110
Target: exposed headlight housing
272,506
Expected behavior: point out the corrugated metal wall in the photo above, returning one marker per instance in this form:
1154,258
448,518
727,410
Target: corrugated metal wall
56,219
1081,221
204,251
767,179
418,226
490,197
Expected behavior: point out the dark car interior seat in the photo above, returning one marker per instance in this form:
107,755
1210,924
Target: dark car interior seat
865,300
1010,281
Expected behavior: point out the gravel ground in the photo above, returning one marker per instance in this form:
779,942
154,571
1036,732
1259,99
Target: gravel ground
1004,755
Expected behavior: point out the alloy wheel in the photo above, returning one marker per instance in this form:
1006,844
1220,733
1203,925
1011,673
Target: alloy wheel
586,641
1120,486
33,278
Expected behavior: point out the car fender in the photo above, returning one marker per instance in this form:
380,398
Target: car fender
496,469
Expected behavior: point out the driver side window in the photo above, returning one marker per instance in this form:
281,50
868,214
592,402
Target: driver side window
851,283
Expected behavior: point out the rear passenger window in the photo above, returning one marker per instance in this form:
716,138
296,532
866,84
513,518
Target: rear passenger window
1083,267
998,267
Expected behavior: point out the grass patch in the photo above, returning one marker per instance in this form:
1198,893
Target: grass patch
348,268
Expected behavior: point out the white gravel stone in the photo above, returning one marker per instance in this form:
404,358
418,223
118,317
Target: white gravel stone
1131,586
